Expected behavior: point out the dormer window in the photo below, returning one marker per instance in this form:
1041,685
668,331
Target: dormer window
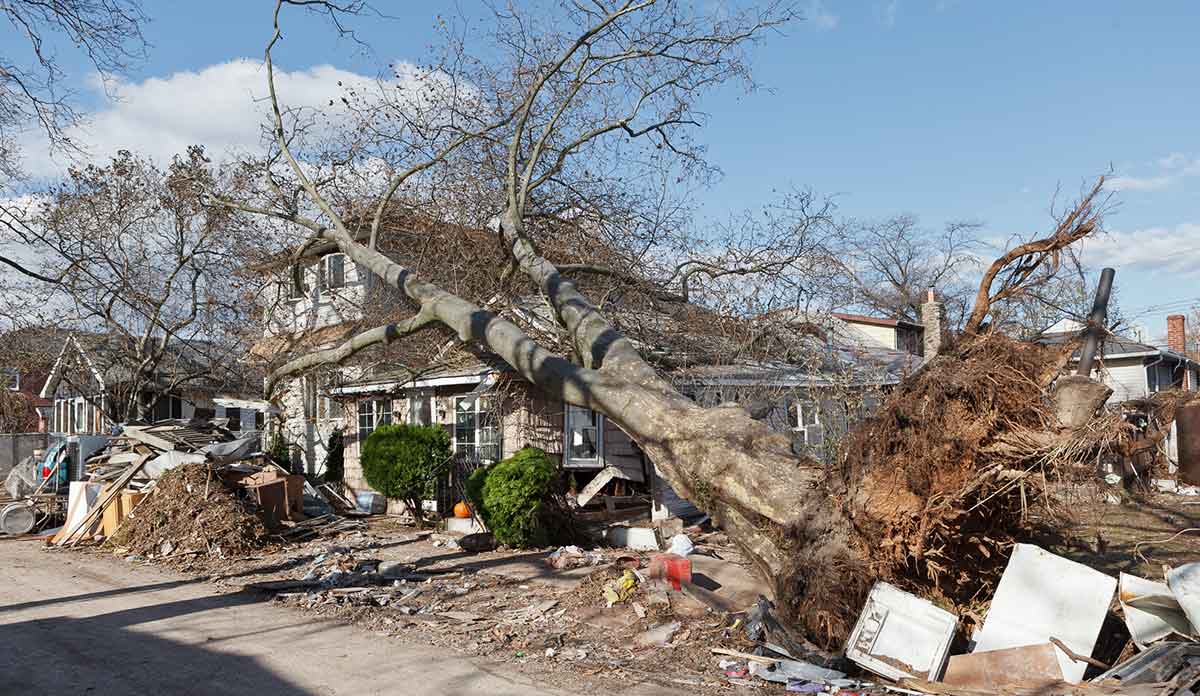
297,288
332,272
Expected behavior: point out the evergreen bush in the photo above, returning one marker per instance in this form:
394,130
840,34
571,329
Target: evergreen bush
404,462
511,497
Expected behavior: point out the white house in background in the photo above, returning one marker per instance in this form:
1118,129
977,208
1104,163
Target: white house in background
1135,370
891,334
320,311
89,381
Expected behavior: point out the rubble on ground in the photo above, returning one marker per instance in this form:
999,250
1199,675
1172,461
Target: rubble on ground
191,511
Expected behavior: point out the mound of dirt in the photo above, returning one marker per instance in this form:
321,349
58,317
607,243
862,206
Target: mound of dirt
191,510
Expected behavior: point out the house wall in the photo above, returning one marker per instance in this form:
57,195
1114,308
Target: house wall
880,335
528,418
1127,378
318,308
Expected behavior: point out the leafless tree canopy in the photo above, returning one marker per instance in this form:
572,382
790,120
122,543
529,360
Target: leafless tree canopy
141,273
32,81
892,263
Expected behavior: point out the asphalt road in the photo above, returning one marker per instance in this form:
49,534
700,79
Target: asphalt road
73,623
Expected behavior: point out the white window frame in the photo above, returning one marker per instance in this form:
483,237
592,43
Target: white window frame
806,430
570,462
478,431
380,406
416,396
323,274
295,294
15,385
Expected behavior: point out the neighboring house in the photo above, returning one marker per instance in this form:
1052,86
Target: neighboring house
1135,370
891,334
25,358
90,383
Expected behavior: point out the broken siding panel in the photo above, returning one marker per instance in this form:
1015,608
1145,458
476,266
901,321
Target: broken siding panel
666,503
621,452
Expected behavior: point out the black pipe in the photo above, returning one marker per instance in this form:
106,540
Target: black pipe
1096,320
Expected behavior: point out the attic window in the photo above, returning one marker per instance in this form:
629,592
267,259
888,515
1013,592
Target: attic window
332,271
296,286
808,426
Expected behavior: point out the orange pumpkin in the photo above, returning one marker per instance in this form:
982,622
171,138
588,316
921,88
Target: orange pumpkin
462,510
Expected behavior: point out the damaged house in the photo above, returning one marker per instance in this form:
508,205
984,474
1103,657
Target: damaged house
810,378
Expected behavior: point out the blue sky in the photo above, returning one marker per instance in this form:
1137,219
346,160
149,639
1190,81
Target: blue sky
945,108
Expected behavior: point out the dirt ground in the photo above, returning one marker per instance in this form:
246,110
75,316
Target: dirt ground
509,608
1139,533
511,611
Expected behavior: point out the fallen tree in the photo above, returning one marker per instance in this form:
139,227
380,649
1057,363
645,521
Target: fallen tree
532,134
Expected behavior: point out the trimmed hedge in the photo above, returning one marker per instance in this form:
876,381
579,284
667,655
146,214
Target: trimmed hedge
404,461
511,496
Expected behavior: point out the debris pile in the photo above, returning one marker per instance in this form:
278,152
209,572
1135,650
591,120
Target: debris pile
191,512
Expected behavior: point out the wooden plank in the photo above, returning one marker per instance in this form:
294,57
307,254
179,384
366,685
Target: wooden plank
104,501
139,433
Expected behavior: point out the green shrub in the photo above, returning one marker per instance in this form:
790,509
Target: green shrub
404,461
280,453
335,458
511,495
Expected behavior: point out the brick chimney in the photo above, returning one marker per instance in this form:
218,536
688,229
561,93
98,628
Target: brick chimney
1177,334
1177,343
933,318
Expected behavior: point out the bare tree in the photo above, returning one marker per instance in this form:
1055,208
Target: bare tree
33,93
143,275
892,263
579,103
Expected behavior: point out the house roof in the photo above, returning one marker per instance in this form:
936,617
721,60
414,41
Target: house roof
1115,346
876,321
106,356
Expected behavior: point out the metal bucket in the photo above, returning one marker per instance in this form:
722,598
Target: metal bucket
17,518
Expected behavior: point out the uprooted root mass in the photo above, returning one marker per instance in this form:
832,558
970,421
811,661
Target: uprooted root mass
937,485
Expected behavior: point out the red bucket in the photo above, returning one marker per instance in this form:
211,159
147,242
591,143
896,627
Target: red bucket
672,568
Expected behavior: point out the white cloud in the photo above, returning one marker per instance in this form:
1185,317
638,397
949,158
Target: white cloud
1133,183
887,13
820,16
1174,160
1162,249
1177,165
220,107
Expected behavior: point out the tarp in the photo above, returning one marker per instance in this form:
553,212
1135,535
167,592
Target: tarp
234,450
169,460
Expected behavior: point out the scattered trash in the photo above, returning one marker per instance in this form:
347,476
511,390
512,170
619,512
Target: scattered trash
900,635
1151,611
636,538
681,546
659,635
573,557
620,589
478,542
1157,664
1042,596
1028,666
1184,582
670,568
371,502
